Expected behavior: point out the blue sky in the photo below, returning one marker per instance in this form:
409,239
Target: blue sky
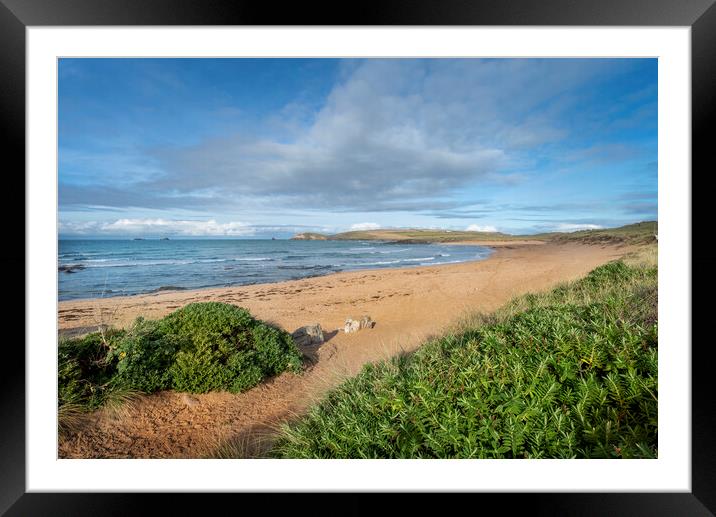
271,147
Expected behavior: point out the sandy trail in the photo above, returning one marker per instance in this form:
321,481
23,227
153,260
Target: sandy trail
409,305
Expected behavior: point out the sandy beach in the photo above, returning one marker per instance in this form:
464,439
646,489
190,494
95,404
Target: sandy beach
408,305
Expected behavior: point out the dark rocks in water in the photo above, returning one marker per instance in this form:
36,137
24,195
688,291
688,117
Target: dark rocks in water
71,268
308,335
137,239
168,288
408,241
164,239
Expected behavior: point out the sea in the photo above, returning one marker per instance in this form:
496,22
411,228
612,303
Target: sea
104,268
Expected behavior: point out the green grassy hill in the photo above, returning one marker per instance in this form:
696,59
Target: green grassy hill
639,233
420,235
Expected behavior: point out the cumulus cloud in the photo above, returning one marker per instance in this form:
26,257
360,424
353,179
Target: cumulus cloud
481,228
160,226
364,226
391,131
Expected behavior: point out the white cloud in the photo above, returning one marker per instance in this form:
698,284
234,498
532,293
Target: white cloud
568,227
392,135
159,227
364,226
414,131
481,228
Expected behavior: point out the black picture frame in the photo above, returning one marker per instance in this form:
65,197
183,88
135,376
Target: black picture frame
700,15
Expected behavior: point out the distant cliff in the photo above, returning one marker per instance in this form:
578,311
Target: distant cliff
638,233
309,236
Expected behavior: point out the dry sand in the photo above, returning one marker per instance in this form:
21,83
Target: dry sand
409,305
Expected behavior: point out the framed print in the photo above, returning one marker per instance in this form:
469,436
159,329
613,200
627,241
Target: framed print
227,208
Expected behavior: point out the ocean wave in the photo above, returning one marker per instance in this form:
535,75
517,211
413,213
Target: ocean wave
418,259
394,251
135,263
352,251
441,263
309,267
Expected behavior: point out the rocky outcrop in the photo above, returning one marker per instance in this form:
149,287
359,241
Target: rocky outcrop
309,236
352,325
308,335
71,268
366,322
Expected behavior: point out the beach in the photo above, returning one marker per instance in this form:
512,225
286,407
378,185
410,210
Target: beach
409,305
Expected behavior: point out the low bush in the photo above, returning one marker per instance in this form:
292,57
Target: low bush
85,369
198,348
226,348
144,356
567,374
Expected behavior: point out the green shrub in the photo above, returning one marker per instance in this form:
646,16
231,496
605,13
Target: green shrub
609,273
144,356
84,369
200,370
226,348
275,349
220,325
570,373
198,348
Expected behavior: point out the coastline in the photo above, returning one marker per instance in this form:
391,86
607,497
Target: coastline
494,245
85,315
409,306
309,263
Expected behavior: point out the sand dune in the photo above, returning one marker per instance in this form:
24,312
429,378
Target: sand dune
409,305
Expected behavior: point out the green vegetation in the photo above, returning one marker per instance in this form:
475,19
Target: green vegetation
198,348
571,373
409,236
424,236
84,373
639,233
